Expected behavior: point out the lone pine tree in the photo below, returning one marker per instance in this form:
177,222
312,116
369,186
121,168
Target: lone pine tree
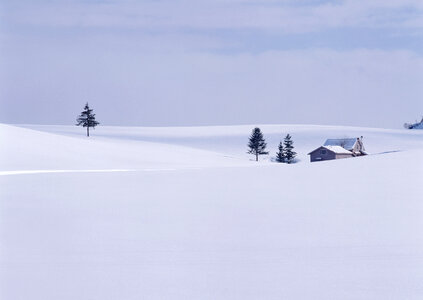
280,155
257,143
87,119
288,149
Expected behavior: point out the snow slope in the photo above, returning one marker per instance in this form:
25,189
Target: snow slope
184,213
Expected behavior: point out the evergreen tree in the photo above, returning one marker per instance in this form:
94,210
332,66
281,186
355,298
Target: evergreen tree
87,119
288,149
257,143
280,156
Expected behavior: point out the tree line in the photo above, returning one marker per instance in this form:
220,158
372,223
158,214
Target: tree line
256,144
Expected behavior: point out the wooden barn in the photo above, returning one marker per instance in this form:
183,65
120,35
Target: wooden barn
338,148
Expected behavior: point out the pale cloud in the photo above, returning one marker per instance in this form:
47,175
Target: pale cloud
284,16
185,62
360,87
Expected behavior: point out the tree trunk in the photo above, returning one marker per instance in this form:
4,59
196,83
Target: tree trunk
88,131
256,156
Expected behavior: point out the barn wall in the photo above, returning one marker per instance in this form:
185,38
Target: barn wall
316,156
338,156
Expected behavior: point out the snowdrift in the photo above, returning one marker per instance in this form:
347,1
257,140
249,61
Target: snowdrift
185,213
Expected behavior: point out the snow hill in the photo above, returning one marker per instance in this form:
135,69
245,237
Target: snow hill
185,213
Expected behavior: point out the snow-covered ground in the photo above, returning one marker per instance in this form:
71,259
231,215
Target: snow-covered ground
185,213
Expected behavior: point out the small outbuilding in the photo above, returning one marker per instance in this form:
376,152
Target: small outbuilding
338,148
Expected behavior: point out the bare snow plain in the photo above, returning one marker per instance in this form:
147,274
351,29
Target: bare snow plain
185,213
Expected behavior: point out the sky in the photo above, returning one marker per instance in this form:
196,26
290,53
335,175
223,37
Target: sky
220,62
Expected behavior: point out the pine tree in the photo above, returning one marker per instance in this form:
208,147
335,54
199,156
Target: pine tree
288,149
257,143
280,156
87,119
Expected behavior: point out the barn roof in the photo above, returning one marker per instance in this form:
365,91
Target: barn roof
335,149
347,143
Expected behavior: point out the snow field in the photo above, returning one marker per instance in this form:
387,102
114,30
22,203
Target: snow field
208,223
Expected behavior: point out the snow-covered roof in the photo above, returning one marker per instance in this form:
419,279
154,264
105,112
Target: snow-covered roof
337,149
347,143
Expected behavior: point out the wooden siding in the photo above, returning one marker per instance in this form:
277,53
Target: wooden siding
319,155
338,156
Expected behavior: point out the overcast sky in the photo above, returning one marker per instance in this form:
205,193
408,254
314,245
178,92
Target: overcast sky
211,62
